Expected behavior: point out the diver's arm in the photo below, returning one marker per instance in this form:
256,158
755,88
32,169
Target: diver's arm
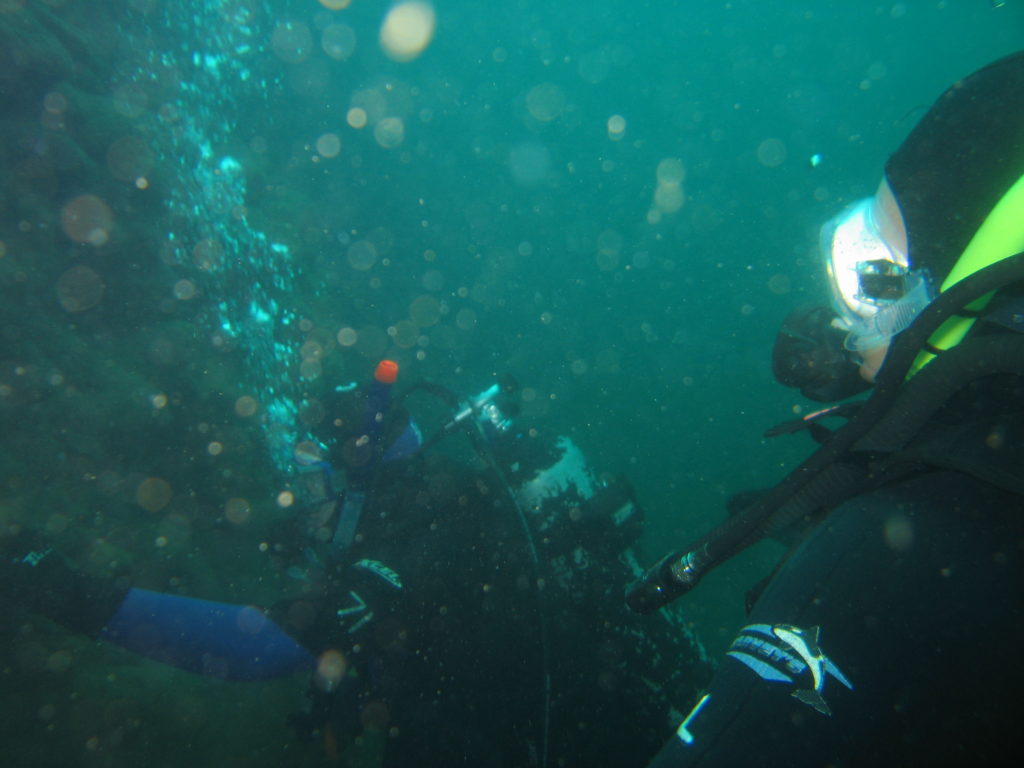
235,642
225,640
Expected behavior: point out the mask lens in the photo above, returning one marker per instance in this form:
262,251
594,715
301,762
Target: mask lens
881,282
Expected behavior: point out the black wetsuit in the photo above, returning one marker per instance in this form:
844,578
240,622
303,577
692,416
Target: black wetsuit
917,592
892,635
458,660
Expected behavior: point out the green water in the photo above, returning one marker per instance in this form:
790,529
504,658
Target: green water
211,213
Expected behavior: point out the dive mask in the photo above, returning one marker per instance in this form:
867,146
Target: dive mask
875,293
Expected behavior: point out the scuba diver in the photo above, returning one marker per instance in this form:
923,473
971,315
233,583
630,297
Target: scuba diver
890,632
457,595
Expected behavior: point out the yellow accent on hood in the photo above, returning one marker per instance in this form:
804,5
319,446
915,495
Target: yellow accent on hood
1000,236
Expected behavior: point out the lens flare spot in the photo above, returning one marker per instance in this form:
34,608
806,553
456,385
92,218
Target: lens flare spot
357,117
208,255
237,511
347,337
87,219
184,290
545,102
79,289
404,334
616,127
246,406
338,41
425,311
899,533
389,132
291,42
362,255
465,319
671,171
407,30
330,669
780,284
329,145
153,494
771,153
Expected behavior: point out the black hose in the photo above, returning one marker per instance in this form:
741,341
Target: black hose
483,449
831,486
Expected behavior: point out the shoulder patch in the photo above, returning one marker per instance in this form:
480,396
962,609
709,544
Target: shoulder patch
787,654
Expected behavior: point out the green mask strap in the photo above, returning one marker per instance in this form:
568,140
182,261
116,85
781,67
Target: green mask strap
999,236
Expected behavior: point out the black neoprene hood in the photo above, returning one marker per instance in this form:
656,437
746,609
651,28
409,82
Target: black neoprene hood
958,161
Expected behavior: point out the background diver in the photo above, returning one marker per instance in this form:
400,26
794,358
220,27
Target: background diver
435,586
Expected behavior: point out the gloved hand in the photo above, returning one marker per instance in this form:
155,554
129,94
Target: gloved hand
38,578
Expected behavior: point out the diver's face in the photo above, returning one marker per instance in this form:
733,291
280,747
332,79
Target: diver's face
834,353
871,360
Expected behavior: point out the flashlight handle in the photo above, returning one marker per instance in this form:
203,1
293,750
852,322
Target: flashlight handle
671,577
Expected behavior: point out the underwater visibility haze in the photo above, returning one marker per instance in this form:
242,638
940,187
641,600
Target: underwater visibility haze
217,215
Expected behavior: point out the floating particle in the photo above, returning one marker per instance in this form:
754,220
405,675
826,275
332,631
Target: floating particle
671,171
357,117
328,145
545,102
153,494
184,290
246,406
780,284
237,511
425,311
87,219
330,669
291,42
208,254
347,337
362,255
79,289
616,127
338,41
389,132
407,30
771,153
465,319
404,333
669,198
